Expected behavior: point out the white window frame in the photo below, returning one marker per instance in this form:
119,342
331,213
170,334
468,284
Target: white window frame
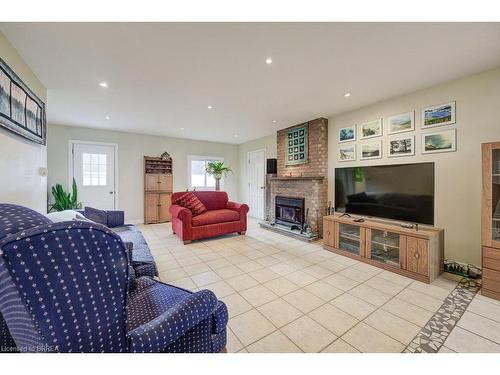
202,158
91,166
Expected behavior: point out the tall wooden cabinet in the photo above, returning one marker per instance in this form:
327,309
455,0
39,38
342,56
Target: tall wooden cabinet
416,253
158,185
490,220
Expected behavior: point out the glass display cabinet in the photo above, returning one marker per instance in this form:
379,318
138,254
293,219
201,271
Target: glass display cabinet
490,231
495,189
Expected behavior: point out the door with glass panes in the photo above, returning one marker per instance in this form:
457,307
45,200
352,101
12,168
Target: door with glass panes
94,174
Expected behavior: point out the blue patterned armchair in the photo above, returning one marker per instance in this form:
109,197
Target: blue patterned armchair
66,287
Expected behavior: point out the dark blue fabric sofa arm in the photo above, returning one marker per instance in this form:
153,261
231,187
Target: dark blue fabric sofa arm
156,335
115,218
109,218
220,318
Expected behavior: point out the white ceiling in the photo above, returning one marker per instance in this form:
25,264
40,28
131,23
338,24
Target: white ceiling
163,76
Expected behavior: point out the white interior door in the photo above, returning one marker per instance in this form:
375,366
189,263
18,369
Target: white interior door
94,173
257,183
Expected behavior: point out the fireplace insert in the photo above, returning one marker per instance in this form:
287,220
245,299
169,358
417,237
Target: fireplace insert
289,211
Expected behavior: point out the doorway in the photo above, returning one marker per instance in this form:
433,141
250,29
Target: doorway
94,168
257,183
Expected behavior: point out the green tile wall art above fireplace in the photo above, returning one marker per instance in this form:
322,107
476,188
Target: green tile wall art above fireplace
296,146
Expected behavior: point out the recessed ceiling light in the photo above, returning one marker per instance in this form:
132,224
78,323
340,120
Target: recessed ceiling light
103,84
182,129
236,136
347,94
269,61
209,107
107,117
274,121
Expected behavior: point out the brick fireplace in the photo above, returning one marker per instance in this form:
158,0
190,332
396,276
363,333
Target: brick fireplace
303,181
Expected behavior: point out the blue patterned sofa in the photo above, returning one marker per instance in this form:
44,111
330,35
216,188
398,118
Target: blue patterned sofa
67,287
142,259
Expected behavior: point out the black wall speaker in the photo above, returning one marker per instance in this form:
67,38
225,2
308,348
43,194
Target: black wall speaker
272,166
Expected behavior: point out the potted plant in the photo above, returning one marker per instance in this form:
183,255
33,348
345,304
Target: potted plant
65,201
217,169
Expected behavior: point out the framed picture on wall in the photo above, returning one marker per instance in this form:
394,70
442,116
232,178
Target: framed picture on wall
438,115
21,111
371,129
405,122
371,150
296,146
443,141
347,152
401,146
347,134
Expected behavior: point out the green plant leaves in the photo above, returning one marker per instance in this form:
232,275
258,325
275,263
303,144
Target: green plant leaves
217,168
65,201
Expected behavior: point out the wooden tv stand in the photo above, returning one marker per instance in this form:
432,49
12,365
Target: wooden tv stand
416,253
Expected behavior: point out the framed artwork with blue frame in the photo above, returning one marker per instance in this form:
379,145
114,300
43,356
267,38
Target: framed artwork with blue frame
296,146
21,111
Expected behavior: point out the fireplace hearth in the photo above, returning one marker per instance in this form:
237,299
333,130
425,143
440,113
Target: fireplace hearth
289,211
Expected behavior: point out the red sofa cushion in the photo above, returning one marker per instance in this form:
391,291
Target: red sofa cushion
213,200
191,201
215,217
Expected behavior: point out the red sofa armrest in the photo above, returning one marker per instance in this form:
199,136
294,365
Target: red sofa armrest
241,208
181,213
181,222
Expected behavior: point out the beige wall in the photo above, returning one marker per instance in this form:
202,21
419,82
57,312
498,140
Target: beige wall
457,174
21,159
267,143
131,150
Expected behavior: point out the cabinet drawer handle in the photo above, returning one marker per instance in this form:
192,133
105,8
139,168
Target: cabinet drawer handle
417,255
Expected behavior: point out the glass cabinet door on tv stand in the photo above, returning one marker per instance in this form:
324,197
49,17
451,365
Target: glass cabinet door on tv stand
384,247
351,238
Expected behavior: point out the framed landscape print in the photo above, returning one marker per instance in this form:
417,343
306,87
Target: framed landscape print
371,150
347,134
443,141
438,115
371,129
347,153
401,146
21,111
296,146
404,122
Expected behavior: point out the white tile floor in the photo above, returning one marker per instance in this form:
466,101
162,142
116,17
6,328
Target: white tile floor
284,295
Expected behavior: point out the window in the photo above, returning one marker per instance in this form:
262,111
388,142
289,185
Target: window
197,172
94,169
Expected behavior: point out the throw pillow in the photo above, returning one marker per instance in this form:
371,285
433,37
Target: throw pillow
66,215
191,202
98,216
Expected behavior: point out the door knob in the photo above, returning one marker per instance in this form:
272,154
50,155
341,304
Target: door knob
262,187
110,192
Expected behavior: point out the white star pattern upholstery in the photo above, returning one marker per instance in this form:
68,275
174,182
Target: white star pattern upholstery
64,288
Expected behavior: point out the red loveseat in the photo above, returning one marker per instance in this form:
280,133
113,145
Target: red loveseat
221,217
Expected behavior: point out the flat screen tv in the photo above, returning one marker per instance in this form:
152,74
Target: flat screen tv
401,192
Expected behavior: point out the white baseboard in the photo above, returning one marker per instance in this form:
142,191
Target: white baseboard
134,221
